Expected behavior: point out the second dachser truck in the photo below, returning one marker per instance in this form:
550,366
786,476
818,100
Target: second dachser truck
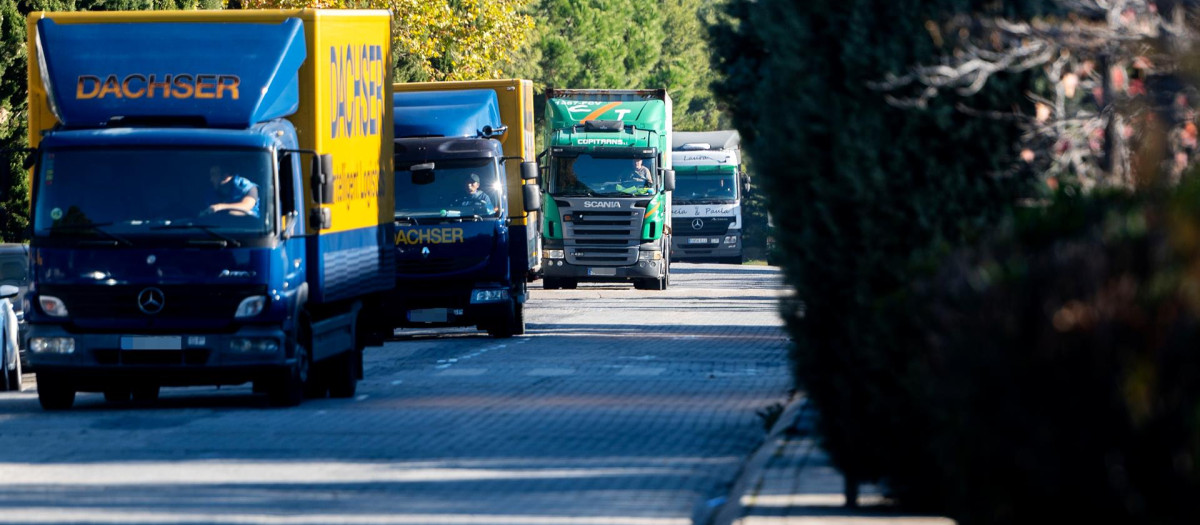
607,207
211,200
466,204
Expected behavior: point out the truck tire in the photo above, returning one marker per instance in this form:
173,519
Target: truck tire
551,283
117,394
54,393
145,393
519,319
343,374
289,387
570,284
503,326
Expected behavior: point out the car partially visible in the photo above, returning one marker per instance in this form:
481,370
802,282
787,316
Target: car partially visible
10,358
14,270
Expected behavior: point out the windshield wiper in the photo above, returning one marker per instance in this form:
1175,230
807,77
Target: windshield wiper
206,228
94,227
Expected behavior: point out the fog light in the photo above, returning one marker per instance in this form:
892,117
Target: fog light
730,239
555,254
53,306
255,345
52,345
251,306
488,296
650,256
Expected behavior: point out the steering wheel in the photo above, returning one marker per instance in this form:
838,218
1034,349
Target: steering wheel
231,212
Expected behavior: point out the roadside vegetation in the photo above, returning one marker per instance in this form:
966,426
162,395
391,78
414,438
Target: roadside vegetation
989,213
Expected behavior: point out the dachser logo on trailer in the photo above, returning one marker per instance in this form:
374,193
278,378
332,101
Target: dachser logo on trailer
137,85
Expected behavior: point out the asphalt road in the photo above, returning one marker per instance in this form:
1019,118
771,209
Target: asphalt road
619,406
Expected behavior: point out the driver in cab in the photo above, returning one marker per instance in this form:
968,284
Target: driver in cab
231,193
639,180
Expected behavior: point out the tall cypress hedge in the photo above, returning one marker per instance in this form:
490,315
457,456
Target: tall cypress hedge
865,196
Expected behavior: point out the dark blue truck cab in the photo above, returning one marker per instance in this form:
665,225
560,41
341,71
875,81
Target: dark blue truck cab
144,273
460,259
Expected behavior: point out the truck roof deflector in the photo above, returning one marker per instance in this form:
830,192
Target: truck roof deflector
134,70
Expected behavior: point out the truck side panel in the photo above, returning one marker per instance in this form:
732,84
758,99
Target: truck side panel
347,112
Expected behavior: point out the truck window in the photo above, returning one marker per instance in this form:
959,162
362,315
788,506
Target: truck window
137,191
704,186
587,175
446,193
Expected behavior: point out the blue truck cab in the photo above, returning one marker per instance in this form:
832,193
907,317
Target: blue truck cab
460,261
199,220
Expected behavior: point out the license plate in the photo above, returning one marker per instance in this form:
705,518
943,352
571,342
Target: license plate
698,240
151,343
605,272
428,315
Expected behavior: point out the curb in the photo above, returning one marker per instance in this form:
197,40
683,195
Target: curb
750,475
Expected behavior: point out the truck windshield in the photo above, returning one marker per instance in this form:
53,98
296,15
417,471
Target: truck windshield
453,188
705,186
120,193
586,175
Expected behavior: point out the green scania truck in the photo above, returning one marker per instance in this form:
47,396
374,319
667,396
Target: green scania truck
607,182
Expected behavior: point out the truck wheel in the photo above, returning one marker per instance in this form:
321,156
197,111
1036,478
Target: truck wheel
503,325
145,393
570,284
116,394
289,387
519,319
54,393
551,283
343,375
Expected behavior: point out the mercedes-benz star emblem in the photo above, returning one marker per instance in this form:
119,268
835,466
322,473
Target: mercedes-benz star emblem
697,224
151,300
425,251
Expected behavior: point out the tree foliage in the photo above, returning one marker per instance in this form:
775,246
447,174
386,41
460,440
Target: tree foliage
441,39
864,195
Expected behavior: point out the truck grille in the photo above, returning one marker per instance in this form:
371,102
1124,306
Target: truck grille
436,265
180,301
685,227
602,238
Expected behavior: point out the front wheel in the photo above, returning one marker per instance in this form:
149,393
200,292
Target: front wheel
504,325
289,387
54,393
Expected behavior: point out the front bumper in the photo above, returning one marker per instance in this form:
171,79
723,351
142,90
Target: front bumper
164,359
413,307
688,247
557,268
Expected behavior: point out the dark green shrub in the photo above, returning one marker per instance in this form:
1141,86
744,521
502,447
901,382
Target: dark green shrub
1061,372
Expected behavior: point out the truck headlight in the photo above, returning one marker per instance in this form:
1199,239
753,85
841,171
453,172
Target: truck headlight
251,306
730,239
53,306
488,296
556,254
52,345
253,345
649,256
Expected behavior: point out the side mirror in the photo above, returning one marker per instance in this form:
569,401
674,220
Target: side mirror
668,180
326,161
529,170
291,221
8,291
30,159
532,196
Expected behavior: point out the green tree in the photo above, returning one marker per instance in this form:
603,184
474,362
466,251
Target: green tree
684,69
595,43
864,195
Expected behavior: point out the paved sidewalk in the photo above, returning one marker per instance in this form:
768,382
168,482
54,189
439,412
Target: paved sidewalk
790,481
